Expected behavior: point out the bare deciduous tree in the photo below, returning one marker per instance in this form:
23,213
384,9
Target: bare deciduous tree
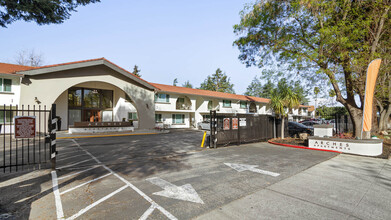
29,58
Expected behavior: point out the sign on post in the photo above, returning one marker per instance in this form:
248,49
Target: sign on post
24,126
234,124
242,122
226,124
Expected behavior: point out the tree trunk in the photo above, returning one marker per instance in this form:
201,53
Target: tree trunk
375,124
356,116
282,127
384,117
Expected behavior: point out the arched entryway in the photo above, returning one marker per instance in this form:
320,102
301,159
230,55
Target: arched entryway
183,103
253,108
98,78
96,102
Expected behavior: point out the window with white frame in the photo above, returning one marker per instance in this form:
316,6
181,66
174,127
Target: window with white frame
159,97
227,103
5,85
7,114
210,105
132,116
158,118
178,118
243,104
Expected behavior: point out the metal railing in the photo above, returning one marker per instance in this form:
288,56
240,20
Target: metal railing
25,153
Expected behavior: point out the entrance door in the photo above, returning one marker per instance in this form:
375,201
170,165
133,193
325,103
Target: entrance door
91,115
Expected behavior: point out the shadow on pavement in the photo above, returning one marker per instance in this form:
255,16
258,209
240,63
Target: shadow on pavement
19,190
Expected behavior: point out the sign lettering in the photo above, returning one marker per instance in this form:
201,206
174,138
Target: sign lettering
234,124
226,124
24,126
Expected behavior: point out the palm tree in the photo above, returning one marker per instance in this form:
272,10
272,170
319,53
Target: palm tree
282,101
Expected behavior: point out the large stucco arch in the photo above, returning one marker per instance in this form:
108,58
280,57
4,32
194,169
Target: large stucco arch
46,88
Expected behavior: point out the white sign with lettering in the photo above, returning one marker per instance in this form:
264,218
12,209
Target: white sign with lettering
242,122
359,147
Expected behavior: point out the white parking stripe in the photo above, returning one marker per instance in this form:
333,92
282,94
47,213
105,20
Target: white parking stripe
90,181
147,213
66,158
73,164
165,212
57,198
82,211
72,174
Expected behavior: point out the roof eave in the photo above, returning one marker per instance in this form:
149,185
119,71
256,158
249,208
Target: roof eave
91,63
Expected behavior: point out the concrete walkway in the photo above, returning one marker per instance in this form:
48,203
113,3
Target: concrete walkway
344,187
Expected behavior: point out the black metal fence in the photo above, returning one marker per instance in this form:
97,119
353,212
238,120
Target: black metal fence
243,128
342,124
26,153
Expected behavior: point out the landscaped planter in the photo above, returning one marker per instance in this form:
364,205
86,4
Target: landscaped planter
367,147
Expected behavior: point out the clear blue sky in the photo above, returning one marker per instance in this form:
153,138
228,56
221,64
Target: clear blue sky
168,39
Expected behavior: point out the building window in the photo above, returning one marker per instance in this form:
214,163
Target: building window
227,103
205,117
178,118
210,105
107,98
91,98
132,116
6,115
243,104
74,97
5,85
162,97
158,118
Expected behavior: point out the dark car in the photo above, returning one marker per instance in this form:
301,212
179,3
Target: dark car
295,128
310,123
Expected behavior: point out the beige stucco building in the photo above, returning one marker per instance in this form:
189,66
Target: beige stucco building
92,90
99,91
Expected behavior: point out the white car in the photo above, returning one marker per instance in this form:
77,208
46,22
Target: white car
204,125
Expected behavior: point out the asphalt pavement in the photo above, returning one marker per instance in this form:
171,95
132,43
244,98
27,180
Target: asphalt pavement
168,176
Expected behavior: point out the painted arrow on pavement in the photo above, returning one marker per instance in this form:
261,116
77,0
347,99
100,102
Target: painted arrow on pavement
244,167
185,192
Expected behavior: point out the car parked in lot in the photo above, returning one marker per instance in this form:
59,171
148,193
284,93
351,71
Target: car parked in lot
310,123
295,128
203,125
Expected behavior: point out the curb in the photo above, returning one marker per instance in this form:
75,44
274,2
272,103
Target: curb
301,147
106,135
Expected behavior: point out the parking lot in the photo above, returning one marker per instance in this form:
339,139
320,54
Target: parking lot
164,176
161,176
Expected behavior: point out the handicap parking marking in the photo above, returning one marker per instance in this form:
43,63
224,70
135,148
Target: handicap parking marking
58,194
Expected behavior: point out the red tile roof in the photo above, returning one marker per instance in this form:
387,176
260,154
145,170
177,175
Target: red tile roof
8,68
201,92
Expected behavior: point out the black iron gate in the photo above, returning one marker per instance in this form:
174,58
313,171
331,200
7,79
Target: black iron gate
21,153
243,128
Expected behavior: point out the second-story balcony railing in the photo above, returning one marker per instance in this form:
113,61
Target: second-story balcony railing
182,106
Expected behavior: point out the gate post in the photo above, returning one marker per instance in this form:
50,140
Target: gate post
238,129
213,129
52,126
